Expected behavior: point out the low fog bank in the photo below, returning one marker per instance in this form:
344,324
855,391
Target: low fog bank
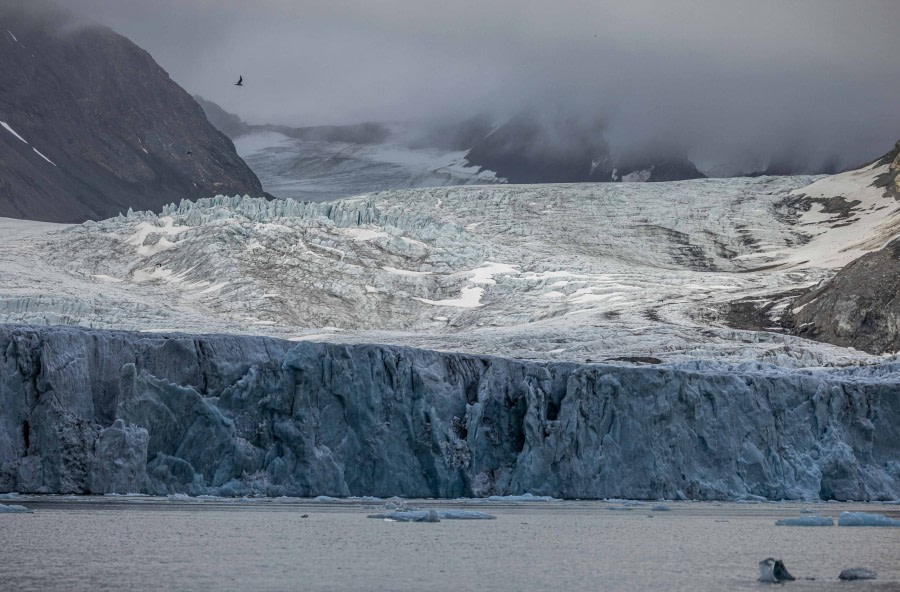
804,87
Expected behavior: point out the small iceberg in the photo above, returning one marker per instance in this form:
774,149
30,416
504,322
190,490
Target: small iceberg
857,573
432,515
661,508
806,521
525,497
125,495
866,519
12,509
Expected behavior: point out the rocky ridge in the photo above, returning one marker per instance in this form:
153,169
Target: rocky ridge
91,126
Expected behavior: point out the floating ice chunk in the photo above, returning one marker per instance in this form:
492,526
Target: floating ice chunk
525,497
806,521
661,508
125,495
464,515
12,509
325,498
12,131
38,152
866,519
367,498
749,498
178,497
10,495
857,573
432,515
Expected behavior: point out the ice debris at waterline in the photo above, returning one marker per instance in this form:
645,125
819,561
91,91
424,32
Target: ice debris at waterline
866,519
13,509
525,497
432,515
97,411
773,570
806,521
857,573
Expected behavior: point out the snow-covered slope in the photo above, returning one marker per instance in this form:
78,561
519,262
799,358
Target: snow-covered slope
857,307
569,272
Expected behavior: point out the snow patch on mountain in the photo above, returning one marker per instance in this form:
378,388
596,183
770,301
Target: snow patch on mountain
868,220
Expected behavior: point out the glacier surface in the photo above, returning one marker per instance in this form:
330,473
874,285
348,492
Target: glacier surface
549,272
322,170
98,411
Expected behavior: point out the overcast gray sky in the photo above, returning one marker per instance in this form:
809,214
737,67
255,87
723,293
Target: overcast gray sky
814,77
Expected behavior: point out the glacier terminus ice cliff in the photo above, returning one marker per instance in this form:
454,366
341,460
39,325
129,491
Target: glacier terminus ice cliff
95,411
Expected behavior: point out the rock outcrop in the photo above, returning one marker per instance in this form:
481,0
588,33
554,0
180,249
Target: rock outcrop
890,181
536,149
859,306
92,126
87,411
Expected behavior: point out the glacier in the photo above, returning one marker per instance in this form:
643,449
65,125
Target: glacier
551,272
553,341
322,170
100,411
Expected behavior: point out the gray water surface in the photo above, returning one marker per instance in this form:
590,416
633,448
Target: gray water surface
90,543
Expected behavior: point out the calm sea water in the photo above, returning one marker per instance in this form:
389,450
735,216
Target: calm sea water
75,544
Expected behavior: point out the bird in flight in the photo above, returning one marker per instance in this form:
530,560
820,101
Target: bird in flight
240,81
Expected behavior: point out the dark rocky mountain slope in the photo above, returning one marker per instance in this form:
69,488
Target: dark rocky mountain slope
94,126
535,149
860,305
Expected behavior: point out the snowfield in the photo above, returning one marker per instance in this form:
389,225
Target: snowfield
559,272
